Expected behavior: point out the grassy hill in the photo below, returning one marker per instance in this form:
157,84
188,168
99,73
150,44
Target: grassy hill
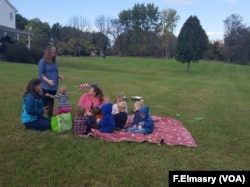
217,92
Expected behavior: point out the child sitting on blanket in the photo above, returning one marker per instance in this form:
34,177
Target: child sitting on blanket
146,124
80,121
119,98
136,118
92,118
121,117
107,122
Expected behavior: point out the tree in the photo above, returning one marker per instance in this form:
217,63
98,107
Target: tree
78,22
121,44
115,30
167,43
192,42
41,32
55,31
236,40
168,24
104,25
215,51
21,22
169,20
140,18
100,41
140,24
66,33
78,25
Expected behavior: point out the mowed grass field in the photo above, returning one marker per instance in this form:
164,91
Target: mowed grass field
217,92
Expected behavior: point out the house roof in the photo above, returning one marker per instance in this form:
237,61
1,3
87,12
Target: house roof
8,29
11,5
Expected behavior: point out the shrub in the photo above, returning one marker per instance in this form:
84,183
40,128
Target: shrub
36,53
18,53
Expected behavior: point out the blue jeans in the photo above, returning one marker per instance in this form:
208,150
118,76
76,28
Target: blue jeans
136,130
41,124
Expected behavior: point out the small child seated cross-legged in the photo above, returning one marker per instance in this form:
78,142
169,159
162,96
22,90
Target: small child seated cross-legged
80,121
121,117
146,124
136,118
107,123
119,98
93,117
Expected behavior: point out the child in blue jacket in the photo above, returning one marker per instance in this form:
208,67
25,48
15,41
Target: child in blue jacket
107,122
136,118
146,124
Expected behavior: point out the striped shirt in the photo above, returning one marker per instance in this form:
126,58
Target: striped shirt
63,100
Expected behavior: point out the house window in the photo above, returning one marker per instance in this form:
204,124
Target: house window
11,16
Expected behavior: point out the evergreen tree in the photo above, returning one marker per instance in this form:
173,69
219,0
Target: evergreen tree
192,42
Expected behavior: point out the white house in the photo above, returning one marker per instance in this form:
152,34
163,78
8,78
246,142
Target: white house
8,21
7,14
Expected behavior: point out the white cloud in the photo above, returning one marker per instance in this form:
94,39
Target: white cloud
215,35
212,36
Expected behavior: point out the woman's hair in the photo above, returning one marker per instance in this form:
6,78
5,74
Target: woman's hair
48,54
30,88
98,92
80,110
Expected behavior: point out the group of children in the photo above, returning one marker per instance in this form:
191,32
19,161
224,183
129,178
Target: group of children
108,117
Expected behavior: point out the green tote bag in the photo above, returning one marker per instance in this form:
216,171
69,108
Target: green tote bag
62,122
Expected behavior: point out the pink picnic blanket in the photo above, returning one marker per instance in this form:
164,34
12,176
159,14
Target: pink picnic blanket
166,130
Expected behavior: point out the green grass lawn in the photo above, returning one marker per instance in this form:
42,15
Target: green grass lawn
217,92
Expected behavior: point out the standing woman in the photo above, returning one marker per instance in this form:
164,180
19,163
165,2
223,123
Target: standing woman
48,73
93,98
33,108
